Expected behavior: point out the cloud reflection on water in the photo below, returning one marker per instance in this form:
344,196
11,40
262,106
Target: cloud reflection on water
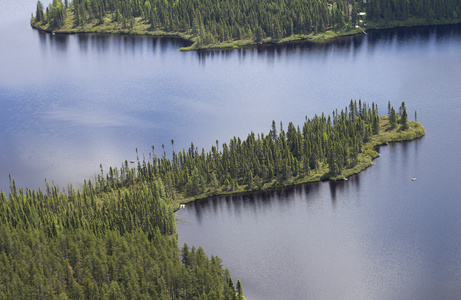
97,119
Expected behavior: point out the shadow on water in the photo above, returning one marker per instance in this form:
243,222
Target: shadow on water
270,52
404,149
340,187
335,186
204,55
443,33
256,202
130,43
415,35
58,41
83,42
341,45
43,37
61,42
273,51
101,43
98,42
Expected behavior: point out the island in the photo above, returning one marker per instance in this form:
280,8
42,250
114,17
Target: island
208,24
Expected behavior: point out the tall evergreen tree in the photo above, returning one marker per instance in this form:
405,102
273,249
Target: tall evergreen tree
403,117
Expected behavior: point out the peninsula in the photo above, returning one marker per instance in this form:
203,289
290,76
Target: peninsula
323,148
208,24
116,236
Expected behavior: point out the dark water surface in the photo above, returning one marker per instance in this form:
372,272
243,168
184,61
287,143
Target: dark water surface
378,235
69,103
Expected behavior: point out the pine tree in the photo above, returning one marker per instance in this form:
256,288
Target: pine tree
39,12
403,117
239,290
392,118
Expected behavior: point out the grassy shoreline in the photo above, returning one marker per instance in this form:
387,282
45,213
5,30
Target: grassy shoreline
314,38
140,28
369,153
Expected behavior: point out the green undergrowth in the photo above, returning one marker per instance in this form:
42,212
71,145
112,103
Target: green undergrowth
315,38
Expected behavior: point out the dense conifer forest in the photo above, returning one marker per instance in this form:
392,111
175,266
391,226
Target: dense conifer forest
324,147
211,22
115,238
89,244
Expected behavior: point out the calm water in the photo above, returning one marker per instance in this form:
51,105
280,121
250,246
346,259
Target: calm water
69,103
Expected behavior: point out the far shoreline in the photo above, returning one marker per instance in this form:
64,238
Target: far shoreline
320,38
325,37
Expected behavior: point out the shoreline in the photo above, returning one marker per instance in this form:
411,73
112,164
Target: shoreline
366,160
325,37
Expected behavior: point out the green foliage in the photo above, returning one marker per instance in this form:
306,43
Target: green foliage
392,119
55,16
333,143
210,21
115,242
433,11
115,238
403,117
239,290
39,15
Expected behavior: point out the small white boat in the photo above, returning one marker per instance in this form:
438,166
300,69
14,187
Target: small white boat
413,178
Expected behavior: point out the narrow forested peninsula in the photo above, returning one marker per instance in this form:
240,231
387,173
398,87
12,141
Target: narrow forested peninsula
323,148
115,238
235,23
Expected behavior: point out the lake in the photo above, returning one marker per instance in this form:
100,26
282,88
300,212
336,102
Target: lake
71,103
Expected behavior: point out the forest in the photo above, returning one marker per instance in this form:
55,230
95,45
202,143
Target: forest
324,147
88,244
211,22
115,237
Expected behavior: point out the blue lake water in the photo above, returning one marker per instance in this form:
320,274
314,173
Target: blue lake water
71,103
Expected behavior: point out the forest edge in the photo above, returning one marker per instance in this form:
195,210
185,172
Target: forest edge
141,29
383,138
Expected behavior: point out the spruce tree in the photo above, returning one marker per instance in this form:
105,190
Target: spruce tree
403,117
239,290
392,118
